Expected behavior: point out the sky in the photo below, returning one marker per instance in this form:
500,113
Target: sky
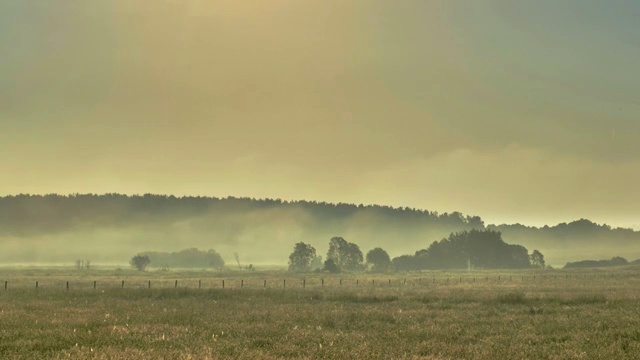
516,111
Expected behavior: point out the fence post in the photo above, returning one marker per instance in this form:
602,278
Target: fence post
67,286
149,284
304,283
265,283
389,282
241,283
199,284
323,282
176,285
340,282
122,284
223,284
36,284
6,283
94,284
357,282
284,283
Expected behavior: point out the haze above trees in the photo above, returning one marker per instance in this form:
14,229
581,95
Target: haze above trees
109,228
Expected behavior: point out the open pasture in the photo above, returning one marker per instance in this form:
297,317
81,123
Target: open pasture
579,314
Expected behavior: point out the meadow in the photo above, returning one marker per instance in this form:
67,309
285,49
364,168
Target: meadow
551,314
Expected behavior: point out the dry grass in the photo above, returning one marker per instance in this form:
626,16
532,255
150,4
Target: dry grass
587,315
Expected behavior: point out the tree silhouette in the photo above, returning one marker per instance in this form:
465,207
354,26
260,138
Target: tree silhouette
464,249
378,259
537,259
140,262
301,257
345,255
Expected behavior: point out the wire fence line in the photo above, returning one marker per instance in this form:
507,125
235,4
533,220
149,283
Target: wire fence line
301,283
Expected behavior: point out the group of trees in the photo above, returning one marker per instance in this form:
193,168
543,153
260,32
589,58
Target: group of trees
478,249
342,256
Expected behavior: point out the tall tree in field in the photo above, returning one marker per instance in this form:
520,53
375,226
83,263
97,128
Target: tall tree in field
378,259
346,255
537,259
301,257
140,262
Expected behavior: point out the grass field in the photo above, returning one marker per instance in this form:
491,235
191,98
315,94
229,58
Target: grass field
590,314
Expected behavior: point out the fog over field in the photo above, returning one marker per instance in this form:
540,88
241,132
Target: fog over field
313,179
112,228
518,113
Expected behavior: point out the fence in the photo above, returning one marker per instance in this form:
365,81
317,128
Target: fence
300,283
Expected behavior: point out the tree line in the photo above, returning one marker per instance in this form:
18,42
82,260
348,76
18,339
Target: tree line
477,249
253,227
614,261
27,214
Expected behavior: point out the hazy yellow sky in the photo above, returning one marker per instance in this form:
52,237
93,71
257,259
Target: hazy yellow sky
515,111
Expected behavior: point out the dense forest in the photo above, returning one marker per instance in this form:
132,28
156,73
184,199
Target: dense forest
108,228
477,249
33,214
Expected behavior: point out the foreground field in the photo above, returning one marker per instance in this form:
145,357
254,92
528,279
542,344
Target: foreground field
481,315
